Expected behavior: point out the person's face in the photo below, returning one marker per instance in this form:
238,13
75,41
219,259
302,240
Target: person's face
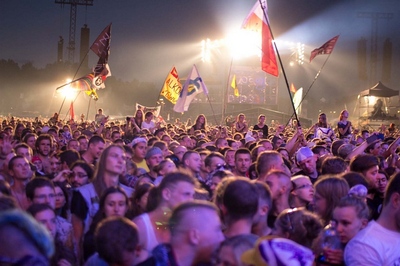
241,118
83,144
48,219
73,145
347,223
45,195
31,142
139,150
377,149
21,169
372,176
96,149
116,136
167,139
179,151
365,135
216,162
44,148
230,158
187,142
115,205
78,177
319,204
279,143
381,183
309,165
304,190
384,148
143,201
345,115
154,160
242,162
235,145
268,146
193,162
322,119
55,164
24,152
60,198
169,167
261,120
215,180
202,119
115,162
179,193
223,143
272,181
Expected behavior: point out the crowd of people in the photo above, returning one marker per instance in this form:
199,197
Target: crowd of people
147,192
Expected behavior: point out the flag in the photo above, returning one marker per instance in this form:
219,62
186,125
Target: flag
101,46
100,72
256,21
193,86
298,96
234,86
172,86
92,94
292,88
86,84
327,48
71,111
155,110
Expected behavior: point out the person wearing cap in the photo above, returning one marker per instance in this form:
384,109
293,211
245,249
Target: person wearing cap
153,158
307,161
139,146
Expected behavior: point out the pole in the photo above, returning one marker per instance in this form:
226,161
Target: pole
87,113
212,109
225,98
263,6
312,83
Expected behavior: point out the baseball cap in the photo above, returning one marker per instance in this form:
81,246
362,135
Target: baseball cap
303,153
153,151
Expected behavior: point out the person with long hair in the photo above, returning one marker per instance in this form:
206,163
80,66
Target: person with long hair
81,174
139,199
199,124
322,129
328,191
344,126
113,202
241,125
85,200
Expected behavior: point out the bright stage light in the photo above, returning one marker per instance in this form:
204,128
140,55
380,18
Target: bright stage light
243,43
68,91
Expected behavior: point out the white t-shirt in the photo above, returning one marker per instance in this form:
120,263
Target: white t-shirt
374,245
148,125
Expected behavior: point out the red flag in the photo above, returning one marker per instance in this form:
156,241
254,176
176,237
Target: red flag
327,48
256,21
71,111
101,46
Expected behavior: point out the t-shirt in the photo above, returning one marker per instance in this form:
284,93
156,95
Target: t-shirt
264,129
374,245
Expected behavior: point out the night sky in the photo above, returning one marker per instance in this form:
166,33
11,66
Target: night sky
149,37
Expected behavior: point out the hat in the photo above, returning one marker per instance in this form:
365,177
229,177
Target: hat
277,251
138,140
303,153
153,151
247,139
36,159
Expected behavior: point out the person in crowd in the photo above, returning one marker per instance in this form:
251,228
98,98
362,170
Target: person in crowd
139,146
344,127
148,122
302,192
113,202
322,129
269,161
24,150
95,147
231,249
21,173
153,158
298,225
260,220
81,174
379,242
99,116
241,125
44,148
83,143
28,242
307,161
328,192
242,162
262,126
333,165
175,188
139,199
61,200
116,241
199,124
85,200
30,140
44,214
192,241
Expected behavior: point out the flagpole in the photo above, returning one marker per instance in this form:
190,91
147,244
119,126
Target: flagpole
212,109
226,92
312,83
87,113
72,103
280,60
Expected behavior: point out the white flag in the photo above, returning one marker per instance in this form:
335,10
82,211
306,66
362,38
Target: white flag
193,86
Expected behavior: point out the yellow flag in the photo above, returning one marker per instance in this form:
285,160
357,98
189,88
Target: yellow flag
234,86
172,86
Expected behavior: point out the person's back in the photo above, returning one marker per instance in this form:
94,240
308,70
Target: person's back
379,242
